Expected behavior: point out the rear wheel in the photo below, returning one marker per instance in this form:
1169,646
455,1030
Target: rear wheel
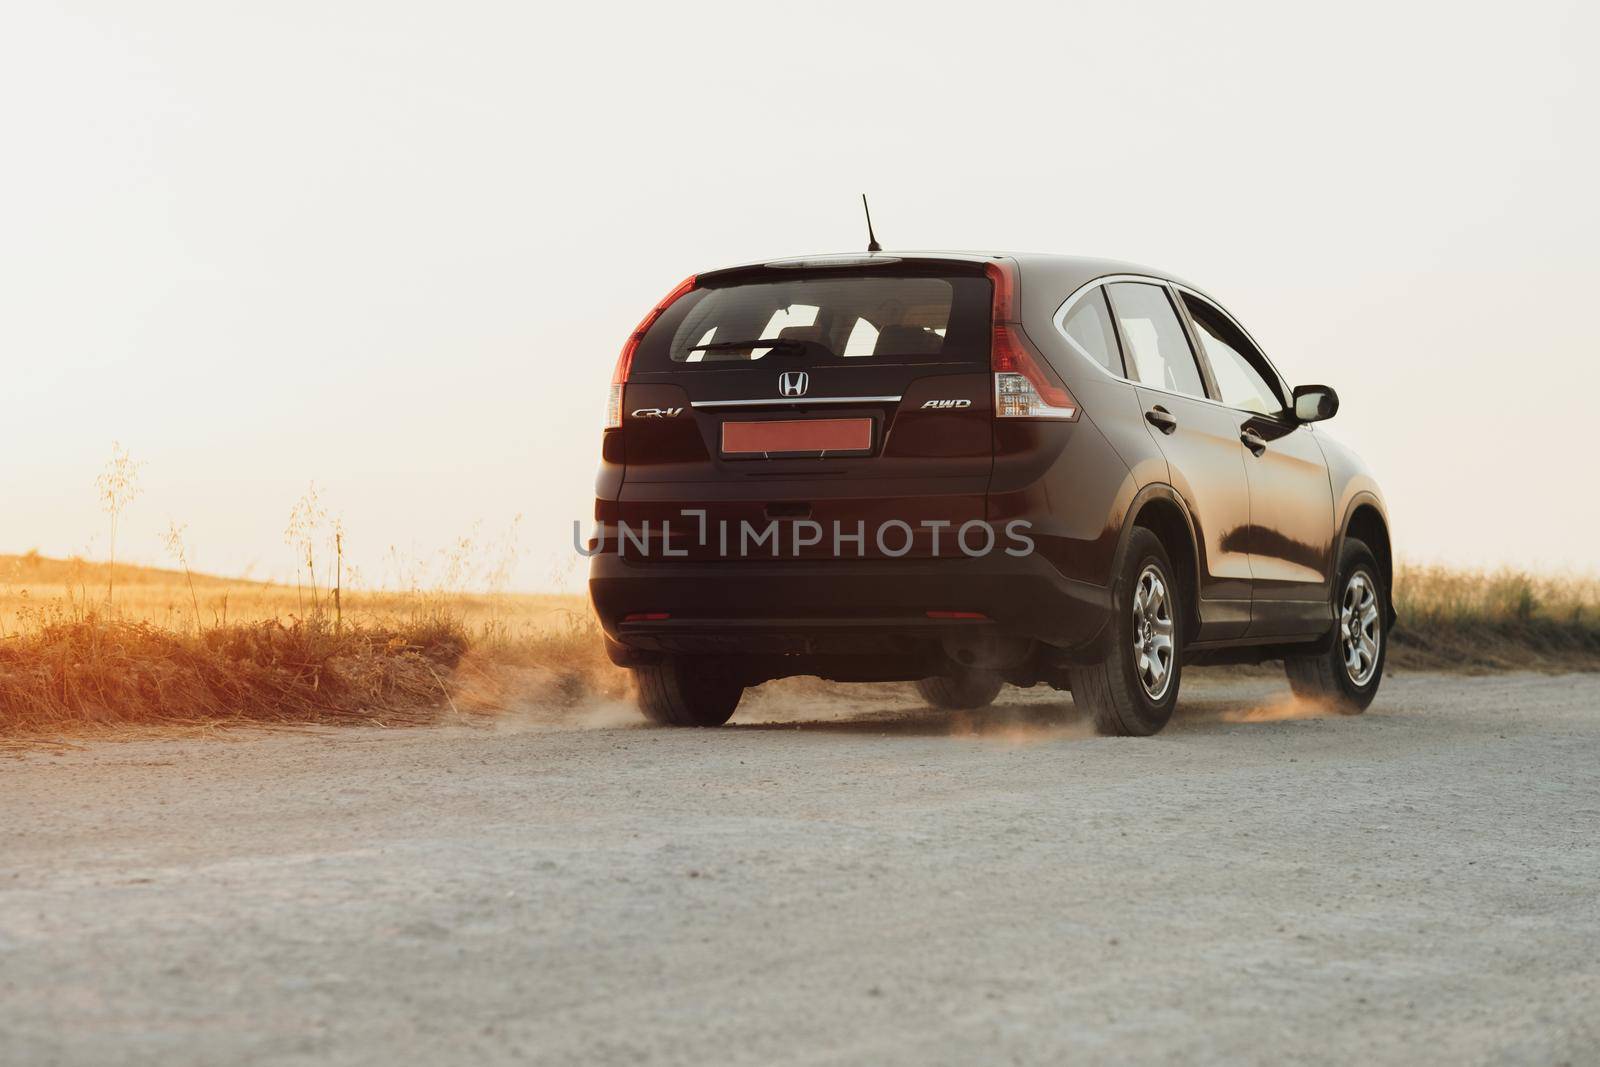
1134,687
966,690
686,691
1346,676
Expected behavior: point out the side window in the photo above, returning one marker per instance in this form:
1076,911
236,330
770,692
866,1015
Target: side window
1158,352
1088,327
1242,379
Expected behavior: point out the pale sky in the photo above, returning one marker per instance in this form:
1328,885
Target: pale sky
395,247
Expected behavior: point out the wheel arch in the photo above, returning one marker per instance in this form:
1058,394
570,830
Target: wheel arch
1366,521
1160,509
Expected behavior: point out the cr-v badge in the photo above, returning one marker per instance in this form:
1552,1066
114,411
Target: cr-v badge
793,383
657,413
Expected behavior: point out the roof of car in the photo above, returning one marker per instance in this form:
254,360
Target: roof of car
1073,271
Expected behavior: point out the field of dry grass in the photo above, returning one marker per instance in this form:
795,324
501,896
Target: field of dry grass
35,589
173,647
1468,620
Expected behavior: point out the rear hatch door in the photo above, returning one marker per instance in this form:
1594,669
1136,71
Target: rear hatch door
851,396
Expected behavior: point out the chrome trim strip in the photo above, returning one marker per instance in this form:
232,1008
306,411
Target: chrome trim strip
793,401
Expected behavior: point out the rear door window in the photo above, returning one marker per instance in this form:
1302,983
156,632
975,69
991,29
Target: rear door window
830,319
1158,351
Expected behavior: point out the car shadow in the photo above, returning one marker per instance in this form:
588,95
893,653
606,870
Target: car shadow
999,720
1061,719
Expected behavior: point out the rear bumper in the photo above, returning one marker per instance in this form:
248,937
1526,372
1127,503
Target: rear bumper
849,610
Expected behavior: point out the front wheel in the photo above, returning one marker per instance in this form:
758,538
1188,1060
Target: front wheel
1345,678
687,691
1134,687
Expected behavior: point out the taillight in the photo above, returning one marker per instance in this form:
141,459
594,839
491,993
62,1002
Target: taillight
614,407
619,377
1024,385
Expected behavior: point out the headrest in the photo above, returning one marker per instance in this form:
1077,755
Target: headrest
811,333
908,341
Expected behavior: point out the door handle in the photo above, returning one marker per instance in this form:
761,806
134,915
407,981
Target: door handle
1161,419
1253,441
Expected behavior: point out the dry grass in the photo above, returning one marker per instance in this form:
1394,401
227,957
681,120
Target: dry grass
1453,619
35,589
109,672
193,649
177,648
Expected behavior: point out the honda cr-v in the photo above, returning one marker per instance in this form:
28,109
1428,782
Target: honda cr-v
967,470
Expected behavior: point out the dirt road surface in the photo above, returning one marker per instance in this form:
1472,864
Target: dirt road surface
832,881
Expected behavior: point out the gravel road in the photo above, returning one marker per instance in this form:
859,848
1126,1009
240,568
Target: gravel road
835,880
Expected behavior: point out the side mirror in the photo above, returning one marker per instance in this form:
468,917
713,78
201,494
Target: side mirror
1314,403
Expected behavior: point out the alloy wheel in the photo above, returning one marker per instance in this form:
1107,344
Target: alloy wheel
1153,645
1359,631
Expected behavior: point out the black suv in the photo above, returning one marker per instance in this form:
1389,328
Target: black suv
968,470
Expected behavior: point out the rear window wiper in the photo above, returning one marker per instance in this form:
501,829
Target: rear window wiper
786,345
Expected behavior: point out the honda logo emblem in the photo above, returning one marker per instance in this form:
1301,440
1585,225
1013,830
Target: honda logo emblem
793,383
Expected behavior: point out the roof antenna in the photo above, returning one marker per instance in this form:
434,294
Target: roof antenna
872,240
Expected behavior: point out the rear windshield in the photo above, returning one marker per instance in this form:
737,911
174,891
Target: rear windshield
868,318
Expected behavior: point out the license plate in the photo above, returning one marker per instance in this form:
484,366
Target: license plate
797,436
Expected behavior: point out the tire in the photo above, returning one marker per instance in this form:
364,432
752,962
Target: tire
1122,691
686,691
1345,678
966,690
